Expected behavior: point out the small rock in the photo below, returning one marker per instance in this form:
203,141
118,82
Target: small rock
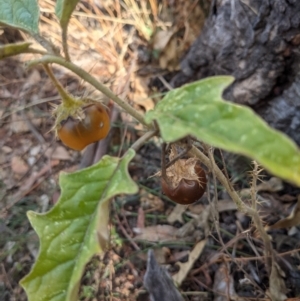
31,160
6,149
59,153
18,165
35,150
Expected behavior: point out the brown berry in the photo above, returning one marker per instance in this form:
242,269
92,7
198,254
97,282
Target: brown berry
187,191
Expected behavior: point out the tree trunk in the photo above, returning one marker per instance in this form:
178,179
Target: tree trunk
256,41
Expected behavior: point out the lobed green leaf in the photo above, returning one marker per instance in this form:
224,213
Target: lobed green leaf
198,110
21,14
75,229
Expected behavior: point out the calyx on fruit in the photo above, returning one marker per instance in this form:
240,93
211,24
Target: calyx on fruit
81,122
185,181
78,122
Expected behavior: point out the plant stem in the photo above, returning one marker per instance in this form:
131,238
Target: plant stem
66,98
163,163
93,81
221,177
137,144
35,51
251,211
253,188
46,44
65,43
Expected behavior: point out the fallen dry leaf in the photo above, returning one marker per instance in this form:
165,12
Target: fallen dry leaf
169,58
287,198
226,205
292,220
177,256
223,285
196,208
272,185
176,214
184,268
140,92
277,287
197,228
161,233
161,39
161,255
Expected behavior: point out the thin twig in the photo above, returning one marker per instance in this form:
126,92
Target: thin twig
135,246
221,177
141,141
163,163
215,199
64,95
224,167
47,59
33,129
6,277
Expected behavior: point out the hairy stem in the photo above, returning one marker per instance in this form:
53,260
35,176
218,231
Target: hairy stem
35,51
141,141
66,98
51,48
251,211
65,43
253,188
93,81
221,177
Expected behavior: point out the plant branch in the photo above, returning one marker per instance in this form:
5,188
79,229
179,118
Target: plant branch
35,51
64,95
221,177
214,204
148,135
257,220
238,201
93,81
46,44
163,163
65,43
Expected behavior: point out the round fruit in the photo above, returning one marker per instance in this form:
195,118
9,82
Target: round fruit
79,133
187,191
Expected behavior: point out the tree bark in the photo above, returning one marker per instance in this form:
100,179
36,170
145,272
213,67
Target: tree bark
256,41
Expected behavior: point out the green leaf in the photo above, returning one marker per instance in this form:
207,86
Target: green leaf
64,9
198,109
8,50
21,14
76,228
